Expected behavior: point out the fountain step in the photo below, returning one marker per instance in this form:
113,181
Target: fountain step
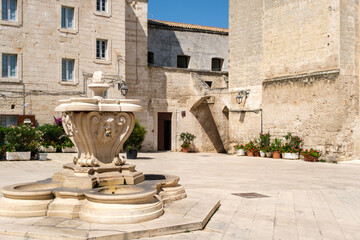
188,214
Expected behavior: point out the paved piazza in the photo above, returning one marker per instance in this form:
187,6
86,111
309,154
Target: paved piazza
305,200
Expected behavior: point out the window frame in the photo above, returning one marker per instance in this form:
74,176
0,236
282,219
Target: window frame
106,13
102,48
66,61
8,75
66,17
19,15
221,63
75,29
8,10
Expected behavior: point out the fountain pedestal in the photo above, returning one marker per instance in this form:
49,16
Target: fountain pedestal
98,186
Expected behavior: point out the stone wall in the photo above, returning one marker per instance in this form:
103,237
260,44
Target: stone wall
41,44
300,62
174,90
168,43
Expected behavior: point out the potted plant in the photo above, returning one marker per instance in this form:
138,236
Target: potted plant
187,139
51,137
311,155
133,144
20,141
268,152
67,146
275,147
250,148
264,142
291,148
240,149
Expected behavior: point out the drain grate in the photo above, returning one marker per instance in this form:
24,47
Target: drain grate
250,195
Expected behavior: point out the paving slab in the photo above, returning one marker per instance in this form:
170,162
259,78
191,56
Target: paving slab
305,200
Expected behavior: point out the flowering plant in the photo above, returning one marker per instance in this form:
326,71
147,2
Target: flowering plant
252,147
287,148
311,153
293,141
22,138
51,135
238,147
187,139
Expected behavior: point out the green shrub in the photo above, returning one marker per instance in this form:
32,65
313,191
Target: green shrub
136,138
51,135
22,138
187,139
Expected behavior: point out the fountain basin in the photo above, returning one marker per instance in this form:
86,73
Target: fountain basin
127,194
31,191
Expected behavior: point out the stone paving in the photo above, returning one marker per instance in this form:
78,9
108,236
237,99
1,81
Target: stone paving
304,200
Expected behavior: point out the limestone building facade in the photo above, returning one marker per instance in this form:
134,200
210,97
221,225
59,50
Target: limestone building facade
300,61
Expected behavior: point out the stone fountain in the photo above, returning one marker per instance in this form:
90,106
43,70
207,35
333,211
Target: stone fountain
99,186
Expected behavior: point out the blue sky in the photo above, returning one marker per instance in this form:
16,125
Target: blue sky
213,13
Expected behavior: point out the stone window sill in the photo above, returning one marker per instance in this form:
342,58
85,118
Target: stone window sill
68,30
102,61
69,83
10,80
102,14
10,23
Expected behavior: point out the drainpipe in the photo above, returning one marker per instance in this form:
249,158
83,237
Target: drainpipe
252,111
23,96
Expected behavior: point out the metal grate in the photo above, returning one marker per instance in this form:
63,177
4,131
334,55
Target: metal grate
250,195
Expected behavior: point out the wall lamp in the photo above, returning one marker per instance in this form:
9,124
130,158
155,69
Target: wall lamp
123,88
241,95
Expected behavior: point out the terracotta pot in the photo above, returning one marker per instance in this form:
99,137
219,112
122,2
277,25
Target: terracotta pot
185,150
276,154
249,153
310,159
257,154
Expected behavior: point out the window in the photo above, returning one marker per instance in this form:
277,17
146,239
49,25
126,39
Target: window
101,5
151,58
183,61
67,70
8,120
9,10
67,17
216,64
9,65
101,49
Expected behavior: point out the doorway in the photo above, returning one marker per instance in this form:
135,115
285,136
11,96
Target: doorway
164,131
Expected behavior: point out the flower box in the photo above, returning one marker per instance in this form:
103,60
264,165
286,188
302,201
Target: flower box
69,150
43,156
49,149
18,156
291,156
240,152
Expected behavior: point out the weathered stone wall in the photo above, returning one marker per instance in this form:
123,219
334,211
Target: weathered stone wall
175,90
167,44
41,44
300,62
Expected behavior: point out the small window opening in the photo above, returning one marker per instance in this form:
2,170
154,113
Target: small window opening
216,64
183,61
209,83
12,106
151,58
